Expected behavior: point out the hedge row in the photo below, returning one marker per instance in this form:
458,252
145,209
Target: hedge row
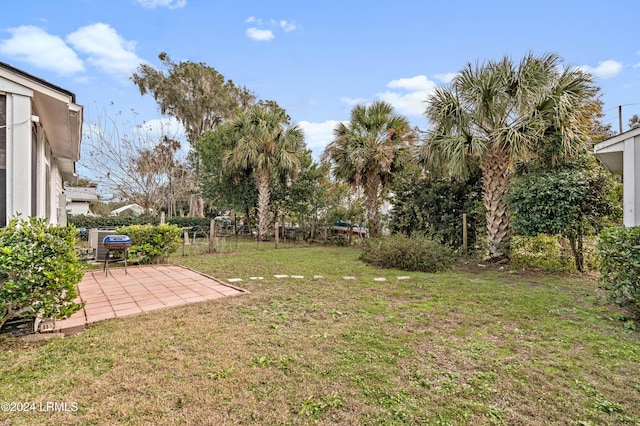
200,224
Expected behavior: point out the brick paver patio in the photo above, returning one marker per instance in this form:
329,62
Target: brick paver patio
143,289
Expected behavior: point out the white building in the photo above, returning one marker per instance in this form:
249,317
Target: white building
79,200
621,155
40,134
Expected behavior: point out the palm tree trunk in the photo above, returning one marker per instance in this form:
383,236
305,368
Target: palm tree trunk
495,183
263,204
373,211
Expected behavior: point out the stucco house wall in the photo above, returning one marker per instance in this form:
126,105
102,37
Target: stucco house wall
40,135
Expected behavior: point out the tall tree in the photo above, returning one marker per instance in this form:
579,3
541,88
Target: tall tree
368,151
498,113
267,145
196,95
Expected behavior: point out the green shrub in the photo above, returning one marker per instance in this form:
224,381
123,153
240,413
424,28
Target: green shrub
541,252
152,244
619,264
39,270
412,254
199,225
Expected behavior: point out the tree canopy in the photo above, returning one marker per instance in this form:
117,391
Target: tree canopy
195,94
498,113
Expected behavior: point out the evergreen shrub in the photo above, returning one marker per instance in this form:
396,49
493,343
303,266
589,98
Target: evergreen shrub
417,253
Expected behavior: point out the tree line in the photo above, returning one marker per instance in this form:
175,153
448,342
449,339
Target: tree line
503,138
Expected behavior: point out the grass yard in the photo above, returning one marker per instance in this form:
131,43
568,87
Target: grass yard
473,346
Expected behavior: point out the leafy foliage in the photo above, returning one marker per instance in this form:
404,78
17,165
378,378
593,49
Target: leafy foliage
152,244
201,223
574,201
196,94
619,265
39,270
412,254
433,206
498,113
224,189
542,251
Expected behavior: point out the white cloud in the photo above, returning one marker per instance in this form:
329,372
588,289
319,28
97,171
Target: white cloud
36,47
446,77
353,101
108,51
154,130
152,4
253,20
318,135
408,104
419,82
166,126
287,26
605,69
410,100
264,30
259,35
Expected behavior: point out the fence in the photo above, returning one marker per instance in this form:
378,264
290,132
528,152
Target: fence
226,238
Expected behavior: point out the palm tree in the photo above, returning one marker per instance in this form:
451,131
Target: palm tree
497,114
368,151
268,146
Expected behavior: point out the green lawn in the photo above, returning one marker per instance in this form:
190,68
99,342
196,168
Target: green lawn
473,346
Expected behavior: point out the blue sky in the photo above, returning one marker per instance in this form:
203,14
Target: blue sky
317,59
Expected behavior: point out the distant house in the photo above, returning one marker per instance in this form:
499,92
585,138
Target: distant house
621,155
40,134
129,210
79,200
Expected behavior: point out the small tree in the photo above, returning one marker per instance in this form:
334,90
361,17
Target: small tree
267,145
39,270
574,201
368,152
136,163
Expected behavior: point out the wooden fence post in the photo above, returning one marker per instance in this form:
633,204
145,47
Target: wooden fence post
212,236
464,233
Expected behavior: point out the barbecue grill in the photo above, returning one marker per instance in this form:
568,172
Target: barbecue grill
116,243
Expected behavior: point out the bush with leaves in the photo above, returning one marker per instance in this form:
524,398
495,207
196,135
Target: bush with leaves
152,244
619,265
39,270
412,254
575,201
433,206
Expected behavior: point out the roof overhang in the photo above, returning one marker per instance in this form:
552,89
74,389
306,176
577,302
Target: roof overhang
610,151
59,115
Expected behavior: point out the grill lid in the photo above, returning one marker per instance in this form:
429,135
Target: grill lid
117,241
